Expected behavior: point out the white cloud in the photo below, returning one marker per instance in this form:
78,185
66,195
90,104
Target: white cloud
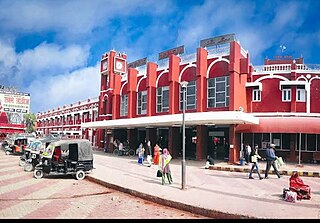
64,89
54,58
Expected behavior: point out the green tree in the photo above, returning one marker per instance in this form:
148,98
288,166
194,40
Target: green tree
30,122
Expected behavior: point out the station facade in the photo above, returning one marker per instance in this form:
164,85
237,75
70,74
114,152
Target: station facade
228,102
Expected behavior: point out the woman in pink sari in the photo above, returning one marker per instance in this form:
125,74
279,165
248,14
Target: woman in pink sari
164,166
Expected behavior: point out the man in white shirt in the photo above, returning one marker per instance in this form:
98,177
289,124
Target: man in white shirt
247,153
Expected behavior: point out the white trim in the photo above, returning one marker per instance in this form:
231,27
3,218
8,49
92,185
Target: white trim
291,83
271,76
191,119
214,62
138,84
184,69
254,84
163,72
122,87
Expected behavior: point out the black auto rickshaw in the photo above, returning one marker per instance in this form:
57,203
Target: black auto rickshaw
66,156
35,149
18,143
32,145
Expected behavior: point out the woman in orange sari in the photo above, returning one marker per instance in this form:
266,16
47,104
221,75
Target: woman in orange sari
156,154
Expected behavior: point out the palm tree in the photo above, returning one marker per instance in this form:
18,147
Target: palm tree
30,122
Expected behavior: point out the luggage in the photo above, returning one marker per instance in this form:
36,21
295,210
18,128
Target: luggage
291,196
140,160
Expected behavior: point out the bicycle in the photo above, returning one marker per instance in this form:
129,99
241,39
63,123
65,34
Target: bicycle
125,152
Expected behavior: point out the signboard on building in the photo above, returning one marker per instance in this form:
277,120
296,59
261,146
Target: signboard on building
175,51
218,40
14,105
17,102
138,63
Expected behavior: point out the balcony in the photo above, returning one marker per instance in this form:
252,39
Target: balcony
286,68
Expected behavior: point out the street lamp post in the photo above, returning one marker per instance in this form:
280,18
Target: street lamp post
183,162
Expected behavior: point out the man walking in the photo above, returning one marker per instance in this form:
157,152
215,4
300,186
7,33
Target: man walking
271,157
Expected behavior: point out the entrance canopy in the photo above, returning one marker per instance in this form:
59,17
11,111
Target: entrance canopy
191,119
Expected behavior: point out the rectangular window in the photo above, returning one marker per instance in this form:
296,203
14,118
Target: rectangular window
142,103
190,97
218,92
163,99
256,95
286,94
124,105
301,94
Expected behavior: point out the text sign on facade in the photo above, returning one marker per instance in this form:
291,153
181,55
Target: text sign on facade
218,40
175,51
14,102
138,63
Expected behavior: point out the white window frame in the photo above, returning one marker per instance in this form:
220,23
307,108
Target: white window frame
190,104
143,103
160,102
124,105
286,94
256,95
301,95
226,91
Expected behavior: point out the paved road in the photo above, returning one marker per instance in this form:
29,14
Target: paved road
63,197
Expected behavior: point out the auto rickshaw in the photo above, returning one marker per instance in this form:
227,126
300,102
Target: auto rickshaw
18,143
64,157
32,145
37,148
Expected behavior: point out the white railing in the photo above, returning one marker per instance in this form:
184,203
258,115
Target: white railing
308,67
286,68
188,58
142,70
218,51
283,68
163,64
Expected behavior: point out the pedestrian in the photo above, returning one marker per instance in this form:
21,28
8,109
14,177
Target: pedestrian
254,160
271,157
140,154
247,152
149,155
156,154
210,155
164,166
226,149
121,150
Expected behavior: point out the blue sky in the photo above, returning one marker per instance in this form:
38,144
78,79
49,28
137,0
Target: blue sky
52,49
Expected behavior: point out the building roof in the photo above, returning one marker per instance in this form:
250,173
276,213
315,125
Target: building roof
191,119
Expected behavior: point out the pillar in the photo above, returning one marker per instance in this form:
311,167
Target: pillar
202,142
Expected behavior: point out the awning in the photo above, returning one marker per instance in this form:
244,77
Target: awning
310,125
191,119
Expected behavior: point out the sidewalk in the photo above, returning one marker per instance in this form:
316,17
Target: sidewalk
216,194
